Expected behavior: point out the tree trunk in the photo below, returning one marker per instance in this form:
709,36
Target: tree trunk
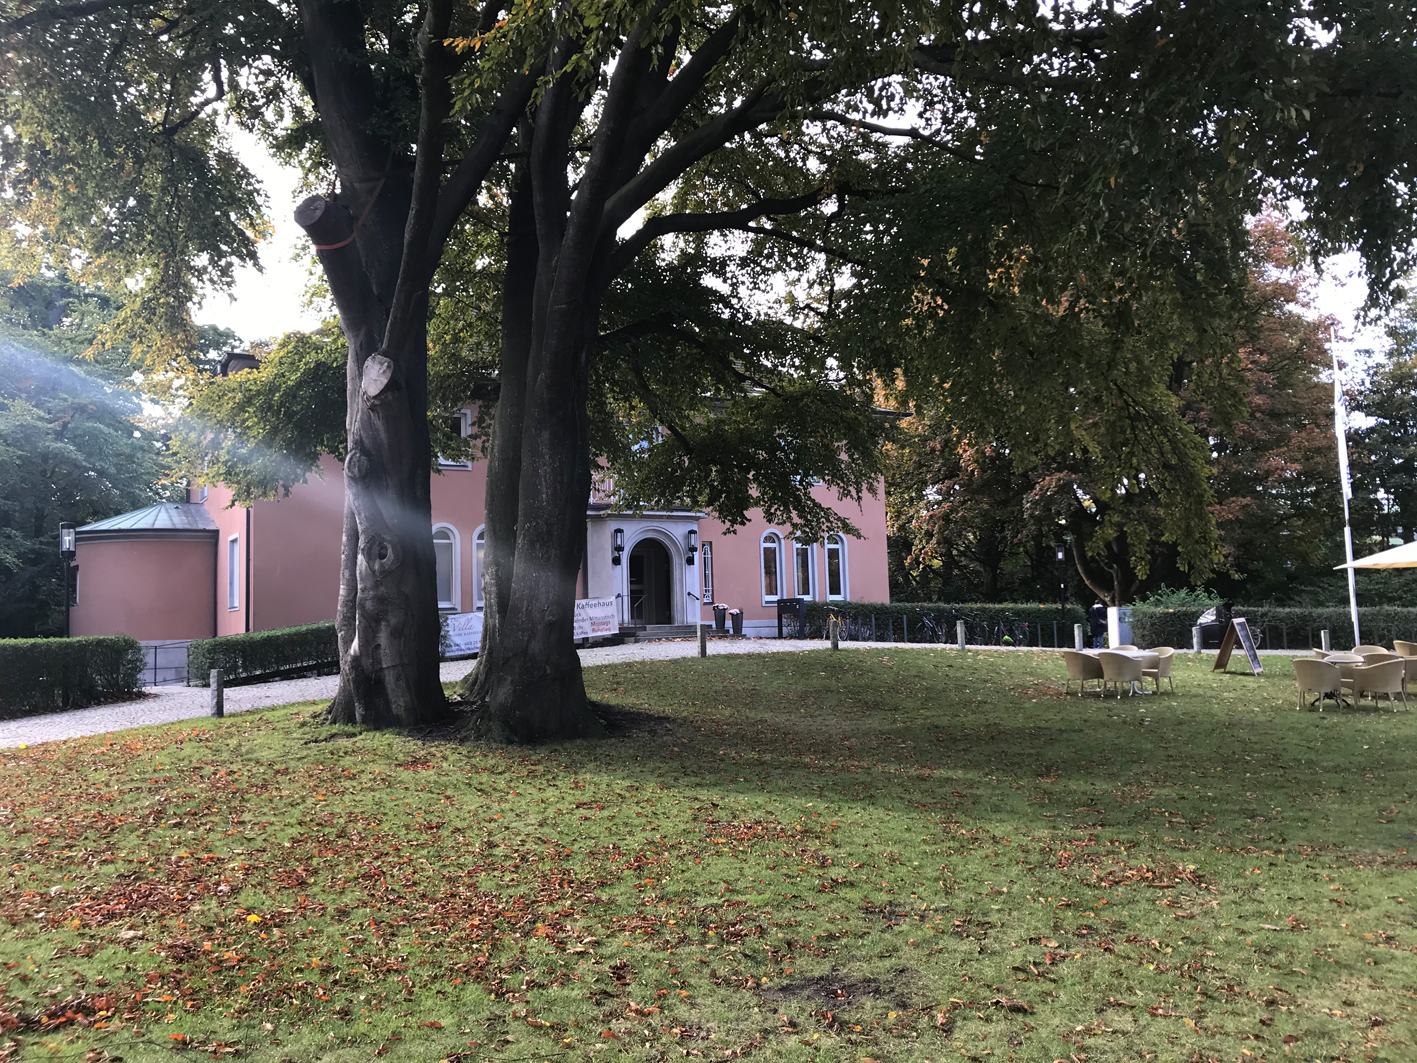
387,618
527,684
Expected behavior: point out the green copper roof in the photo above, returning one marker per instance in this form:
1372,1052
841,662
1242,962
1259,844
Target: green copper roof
186,517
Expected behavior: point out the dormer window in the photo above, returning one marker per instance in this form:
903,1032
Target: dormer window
460,425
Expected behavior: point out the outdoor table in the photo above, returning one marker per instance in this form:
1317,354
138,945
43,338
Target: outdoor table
1148,658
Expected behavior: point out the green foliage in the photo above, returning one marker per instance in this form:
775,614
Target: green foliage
261,431
1278,627
309,648
1176,598
70,449
1385,448
47,675
125,175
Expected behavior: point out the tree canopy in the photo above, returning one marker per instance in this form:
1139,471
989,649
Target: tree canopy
1077,174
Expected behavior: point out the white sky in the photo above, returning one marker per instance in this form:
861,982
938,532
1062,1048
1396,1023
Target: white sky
267,303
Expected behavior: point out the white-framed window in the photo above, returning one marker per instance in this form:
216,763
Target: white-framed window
460,424
804,569
837,589
706,552
771,567
233,573
479,572
201,494
445,560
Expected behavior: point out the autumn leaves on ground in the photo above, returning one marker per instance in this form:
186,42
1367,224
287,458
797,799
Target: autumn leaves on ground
882,853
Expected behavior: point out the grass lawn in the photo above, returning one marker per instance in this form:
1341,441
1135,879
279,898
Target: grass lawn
881,854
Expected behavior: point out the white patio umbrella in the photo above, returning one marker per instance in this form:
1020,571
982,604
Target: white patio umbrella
1404,556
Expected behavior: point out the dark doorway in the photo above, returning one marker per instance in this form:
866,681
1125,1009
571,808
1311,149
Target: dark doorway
650,583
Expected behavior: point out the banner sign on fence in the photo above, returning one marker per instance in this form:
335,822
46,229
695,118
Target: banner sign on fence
596,618
464,634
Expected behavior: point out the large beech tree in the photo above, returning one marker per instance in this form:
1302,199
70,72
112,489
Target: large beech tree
616,134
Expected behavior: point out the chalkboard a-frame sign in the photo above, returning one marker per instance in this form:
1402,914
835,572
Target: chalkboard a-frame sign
1238,631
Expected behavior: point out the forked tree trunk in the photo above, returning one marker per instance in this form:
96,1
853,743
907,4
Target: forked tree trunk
527,683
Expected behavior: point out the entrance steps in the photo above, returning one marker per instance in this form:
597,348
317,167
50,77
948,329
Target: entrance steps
655,632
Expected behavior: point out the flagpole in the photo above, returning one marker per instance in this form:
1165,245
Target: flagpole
1340,431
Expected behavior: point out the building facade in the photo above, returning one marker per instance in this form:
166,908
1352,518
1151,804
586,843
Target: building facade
205,567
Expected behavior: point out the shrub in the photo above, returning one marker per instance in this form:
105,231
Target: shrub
263,654
985,625
1282,627
47,675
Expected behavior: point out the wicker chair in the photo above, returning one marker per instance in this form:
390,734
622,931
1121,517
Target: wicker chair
1117,669
1381,658
1374,680
1084,668
1318,677
1361,650
1162,669
1319,655
1404,649
1128,646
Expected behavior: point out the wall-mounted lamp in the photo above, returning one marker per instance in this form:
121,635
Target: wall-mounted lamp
692,540
619,545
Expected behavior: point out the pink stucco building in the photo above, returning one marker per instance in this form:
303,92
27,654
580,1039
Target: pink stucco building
188,570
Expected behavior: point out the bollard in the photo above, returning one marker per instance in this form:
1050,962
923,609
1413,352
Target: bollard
1077,638
218,700
1324,642
703,640
1196,638
835,633
959,632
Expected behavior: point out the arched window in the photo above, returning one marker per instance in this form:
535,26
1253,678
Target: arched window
445,558
836,568
772,567
479,551
804,569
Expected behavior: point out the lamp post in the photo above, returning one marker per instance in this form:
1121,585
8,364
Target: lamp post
67,552
1060,551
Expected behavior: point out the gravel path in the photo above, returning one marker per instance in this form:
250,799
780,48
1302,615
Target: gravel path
170,703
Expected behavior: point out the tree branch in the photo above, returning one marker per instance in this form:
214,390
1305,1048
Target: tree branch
62,13
810,245
757,107
707,221
894,131
416,265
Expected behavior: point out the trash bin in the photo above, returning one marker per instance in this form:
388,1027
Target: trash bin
720,618
736,616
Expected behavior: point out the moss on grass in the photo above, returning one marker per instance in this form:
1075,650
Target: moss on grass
895,854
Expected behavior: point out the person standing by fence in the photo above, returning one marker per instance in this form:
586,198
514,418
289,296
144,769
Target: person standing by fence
1097,624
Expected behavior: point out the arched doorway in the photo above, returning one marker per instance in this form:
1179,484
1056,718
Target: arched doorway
650,583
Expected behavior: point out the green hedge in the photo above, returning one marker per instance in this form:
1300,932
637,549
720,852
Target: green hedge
257,654
1029,624
47,675
1282,627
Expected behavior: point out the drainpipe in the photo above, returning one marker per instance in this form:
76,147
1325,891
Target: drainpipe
248,568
